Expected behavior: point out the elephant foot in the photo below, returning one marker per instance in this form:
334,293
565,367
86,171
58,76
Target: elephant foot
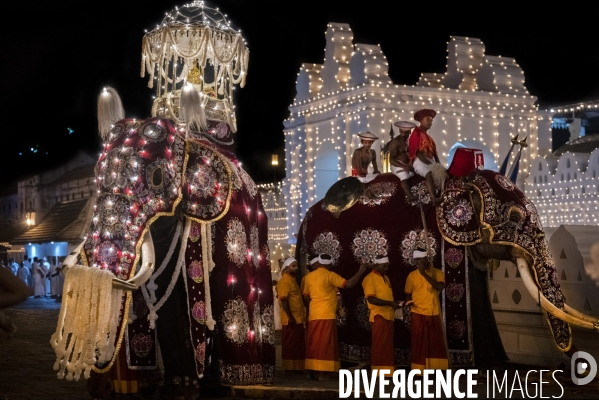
99,385
180,389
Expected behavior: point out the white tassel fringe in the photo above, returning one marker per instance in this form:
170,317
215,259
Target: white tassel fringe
110,110
191,110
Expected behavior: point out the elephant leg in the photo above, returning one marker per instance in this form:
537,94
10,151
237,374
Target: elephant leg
488,348
172,325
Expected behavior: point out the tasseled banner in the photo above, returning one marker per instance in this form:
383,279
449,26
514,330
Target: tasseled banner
191,110
110,110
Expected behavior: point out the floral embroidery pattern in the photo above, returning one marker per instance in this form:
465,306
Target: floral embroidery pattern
199,312
107,253
250,186
254,246
195,231
117,130
196,271
200,353
456,329
235,321
362,313
368,244
504,182
378,193
236,241
327,243
460,214
266,251
416,239
120,169
221,130
246,374
268,325
159,176
455,292
453,257
421,193
141,344
202,180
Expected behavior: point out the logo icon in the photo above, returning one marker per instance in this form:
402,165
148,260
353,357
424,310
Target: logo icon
581,363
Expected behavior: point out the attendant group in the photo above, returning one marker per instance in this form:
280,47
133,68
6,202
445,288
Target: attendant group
35,273
309,321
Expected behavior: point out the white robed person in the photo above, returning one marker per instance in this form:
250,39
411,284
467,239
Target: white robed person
55,281
39,278
24,274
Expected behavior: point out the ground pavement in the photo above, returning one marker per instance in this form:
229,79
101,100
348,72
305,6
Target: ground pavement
26,371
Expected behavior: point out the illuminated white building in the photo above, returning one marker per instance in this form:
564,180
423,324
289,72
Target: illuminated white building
481,102
565,185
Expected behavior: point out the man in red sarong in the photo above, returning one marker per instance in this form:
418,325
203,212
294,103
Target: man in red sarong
378,293
320,293
429,349
293,315
423,151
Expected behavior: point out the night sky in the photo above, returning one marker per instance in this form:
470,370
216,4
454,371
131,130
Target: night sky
58,55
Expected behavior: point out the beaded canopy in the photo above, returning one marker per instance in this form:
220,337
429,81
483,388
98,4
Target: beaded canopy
196,44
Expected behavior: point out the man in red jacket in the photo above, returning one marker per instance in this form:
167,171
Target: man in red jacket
423,151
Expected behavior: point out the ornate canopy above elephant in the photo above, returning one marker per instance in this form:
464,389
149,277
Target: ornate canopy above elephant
485,216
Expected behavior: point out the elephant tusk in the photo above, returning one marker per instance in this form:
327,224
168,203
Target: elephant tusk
579,315
534,291
146,270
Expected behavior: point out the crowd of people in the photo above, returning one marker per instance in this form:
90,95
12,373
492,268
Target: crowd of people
36,274
308,315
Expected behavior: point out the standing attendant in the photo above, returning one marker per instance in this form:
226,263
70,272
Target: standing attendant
320,293
382,306
293,316
39,278
423,286
423,151
55,287
23,274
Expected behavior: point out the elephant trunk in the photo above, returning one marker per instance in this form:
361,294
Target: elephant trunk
572,318
147,255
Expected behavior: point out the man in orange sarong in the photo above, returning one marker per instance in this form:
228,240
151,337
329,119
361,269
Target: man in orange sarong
293,315
429,349
320,293
378,293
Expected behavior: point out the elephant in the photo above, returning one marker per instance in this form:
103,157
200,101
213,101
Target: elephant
176,198
483,216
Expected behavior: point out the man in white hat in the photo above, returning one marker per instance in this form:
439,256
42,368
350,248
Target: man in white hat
320,293
399,157
428,340
382,306
363,156
293,315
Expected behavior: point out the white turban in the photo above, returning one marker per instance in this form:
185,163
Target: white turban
324,261
381,260
288,262
313,261
419,254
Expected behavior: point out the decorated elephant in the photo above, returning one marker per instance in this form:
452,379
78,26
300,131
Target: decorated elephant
483,216
178,227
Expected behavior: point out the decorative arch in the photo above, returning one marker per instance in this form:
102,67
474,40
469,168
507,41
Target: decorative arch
488,155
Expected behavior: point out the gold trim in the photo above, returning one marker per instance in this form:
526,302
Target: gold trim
136,261
491,241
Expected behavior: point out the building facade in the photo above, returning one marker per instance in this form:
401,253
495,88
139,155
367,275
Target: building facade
481,102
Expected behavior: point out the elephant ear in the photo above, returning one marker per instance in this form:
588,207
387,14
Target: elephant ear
207,183
342,195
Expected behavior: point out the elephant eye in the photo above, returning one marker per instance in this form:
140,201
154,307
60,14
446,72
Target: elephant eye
157,177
